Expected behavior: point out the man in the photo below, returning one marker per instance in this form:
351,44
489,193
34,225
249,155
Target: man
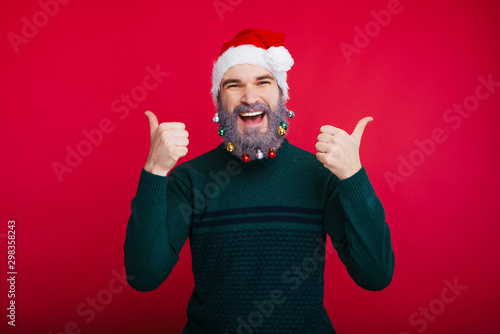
256,209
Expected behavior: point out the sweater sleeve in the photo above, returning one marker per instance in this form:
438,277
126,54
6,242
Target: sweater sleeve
355,221
157,229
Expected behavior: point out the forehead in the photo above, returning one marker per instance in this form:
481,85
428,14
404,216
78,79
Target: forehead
245,72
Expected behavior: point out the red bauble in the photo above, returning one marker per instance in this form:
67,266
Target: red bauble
271,153
245,158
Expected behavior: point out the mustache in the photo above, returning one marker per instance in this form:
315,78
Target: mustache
252,140
248,107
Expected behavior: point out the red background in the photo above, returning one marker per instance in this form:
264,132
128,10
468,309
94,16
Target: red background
70,231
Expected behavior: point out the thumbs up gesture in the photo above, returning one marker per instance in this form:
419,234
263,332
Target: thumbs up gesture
339,151
168,143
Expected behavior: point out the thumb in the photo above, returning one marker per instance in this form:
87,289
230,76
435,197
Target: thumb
360,127
153,121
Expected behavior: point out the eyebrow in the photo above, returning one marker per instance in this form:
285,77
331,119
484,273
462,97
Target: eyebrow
231,81
267,76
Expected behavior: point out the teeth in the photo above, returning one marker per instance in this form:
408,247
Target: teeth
251,113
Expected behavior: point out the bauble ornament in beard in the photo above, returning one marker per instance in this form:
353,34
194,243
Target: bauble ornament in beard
252,144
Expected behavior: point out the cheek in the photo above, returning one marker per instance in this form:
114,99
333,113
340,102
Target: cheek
228,102
273,102
273,97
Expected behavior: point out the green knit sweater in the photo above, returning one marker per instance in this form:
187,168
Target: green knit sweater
257,233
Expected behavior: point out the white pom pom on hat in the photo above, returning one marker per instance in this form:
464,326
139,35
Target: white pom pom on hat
256,47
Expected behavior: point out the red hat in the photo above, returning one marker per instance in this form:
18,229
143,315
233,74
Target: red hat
257,47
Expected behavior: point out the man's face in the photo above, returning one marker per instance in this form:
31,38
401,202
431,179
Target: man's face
251,108
248,85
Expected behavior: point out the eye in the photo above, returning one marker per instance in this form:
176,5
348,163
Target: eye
232,86
264,82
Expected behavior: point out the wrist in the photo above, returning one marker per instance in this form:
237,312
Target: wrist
154,169
348,174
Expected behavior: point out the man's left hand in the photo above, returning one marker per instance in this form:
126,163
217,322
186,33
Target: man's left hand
338,151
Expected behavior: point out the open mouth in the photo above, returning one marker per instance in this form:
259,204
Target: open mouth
252,117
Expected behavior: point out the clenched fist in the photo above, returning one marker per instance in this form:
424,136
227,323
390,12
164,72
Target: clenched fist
339,151
168,143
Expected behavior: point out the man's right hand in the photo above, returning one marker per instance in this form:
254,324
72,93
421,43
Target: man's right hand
168,143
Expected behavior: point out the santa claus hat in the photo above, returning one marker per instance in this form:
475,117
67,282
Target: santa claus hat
256,47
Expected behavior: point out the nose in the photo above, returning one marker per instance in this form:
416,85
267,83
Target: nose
250,95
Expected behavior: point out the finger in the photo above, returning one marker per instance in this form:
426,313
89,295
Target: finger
322,147
172,125
360,127
182,151
153,121
329,129
178,152
325,138
178,141
323,158
173,133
